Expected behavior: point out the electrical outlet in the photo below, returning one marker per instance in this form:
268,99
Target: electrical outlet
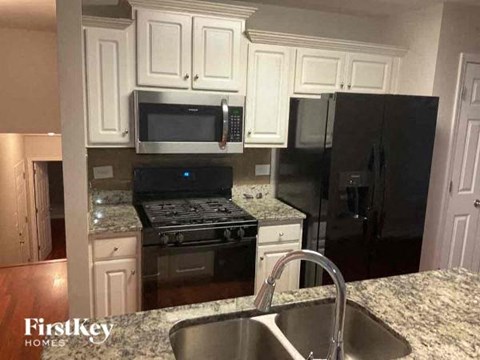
262,170
103,172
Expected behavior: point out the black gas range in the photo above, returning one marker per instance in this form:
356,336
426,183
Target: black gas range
197,245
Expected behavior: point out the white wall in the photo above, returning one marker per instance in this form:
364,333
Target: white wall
29,82
11,153
419,32
460,32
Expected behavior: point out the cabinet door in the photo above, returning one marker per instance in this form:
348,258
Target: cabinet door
216,54
368,73
267,257
319,71
266,118
115,287
164,49
107,63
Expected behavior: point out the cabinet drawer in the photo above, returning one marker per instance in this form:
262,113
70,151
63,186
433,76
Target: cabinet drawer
118,247
276,234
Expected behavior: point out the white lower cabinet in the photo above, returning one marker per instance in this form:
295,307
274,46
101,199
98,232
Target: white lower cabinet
116,271
115,287
275,242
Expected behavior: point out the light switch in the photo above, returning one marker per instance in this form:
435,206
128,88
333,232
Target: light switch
262,170
103,172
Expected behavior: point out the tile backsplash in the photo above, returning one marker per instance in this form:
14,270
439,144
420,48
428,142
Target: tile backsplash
124,160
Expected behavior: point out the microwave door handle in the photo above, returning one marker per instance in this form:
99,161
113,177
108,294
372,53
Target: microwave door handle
223,141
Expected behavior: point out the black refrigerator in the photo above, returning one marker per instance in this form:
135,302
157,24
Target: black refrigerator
358,165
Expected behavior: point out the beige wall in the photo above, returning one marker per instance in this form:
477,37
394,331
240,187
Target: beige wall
43,146
29,82
460,32
419,31
11,153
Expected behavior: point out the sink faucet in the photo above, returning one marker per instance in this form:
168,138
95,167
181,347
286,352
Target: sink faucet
263,301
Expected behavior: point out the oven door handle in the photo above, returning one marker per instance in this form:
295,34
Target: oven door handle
223,141
197,247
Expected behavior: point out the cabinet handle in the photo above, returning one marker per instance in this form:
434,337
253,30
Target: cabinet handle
196,77
349,86
249,133
261,258
186,77
133,272
115,248
280,234
124,132
342,85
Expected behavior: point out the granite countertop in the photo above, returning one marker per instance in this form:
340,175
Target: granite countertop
112,212
267,208
437,312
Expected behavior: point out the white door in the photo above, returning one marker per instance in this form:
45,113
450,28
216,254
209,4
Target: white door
461,229
268,103
22,214
108,86
267,257
216,54
319,71
164,49
367,73
115,287
42,209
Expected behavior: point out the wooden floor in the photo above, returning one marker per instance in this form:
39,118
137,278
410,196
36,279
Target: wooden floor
35,291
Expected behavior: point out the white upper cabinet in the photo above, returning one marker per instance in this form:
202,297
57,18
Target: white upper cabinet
216,54
267,107
164,50
108,86
369,73
319,71
183,51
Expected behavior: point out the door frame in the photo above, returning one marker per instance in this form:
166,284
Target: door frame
32,203
441,256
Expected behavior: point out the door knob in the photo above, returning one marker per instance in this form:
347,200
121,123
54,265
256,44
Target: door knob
476,203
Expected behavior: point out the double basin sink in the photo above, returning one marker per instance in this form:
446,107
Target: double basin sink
293,333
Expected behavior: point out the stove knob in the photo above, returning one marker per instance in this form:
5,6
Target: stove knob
241,233
163,239
227,234
179,238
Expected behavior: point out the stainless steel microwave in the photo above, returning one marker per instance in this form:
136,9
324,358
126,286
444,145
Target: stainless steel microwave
188,123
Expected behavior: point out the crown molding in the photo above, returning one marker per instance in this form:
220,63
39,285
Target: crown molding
196,7
106,22
285,39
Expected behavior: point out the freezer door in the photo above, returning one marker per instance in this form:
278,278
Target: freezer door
354,167
407,147
303,170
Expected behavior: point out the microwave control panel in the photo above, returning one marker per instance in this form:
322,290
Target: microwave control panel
235,125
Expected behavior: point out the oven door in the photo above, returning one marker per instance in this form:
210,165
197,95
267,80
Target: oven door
187,123
173,276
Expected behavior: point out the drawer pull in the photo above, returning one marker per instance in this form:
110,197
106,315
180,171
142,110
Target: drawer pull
115,248
280,234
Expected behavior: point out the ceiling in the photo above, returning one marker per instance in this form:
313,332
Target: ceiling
361,7
40,14
28,14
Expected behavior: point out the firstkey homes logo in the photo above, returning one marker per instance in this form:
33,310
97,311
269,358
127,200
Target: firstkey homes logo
96,333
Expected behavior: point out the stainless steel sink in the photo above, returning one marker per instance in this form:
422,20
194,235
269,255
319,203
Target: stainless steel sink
238,339
309,329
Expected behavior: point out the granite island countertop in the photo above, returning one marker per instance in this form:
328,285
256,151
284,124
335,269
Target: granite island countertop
437,312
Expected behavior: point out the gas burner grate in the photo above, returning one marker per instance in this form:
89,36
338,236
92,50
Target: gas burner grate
193,211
